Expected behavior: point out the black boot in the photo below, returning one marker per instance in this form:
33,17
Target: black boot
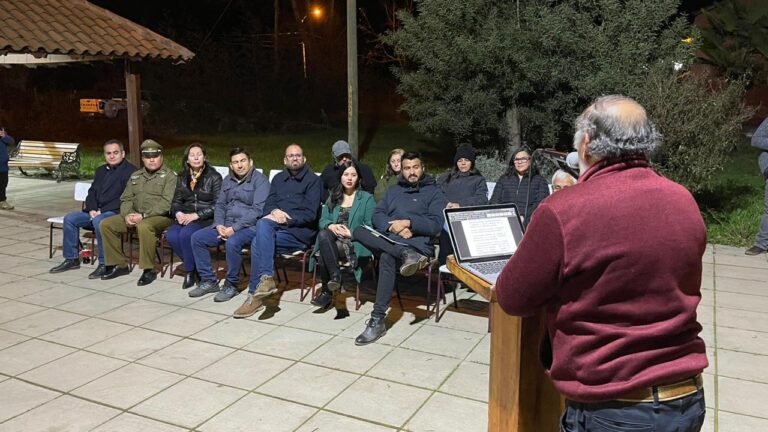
375,328
324,299
412,262
190,279
335,283
147,277
68,264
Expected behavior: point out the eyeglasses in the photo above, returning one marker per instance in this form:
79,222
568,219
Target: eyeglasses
523,159
294,156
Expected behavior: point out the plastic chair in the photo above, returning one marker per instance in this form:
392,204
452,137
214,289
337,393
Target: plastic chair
80,194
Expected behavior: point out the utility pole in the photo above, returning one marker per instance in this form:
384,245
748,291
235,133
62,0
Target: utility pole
352,76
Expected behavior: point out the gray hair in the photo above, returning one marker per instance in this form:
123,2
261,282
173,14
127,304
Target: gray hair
617,126
563,175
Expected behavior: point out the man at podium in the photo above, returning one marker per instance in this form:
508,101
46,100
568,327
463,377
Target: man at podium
616,262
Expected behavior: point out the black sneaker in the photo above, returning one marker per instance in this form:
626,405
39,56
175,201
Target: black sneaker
68,264
100,271
754,250
323,300
226,292
412,262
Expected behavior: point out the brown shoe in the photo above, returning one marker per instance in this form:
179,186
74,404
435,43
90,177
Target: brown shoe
265,288
250,306
5,205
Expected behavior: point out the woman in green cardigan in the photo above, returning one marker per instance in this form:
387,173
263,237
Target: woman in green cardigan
347,208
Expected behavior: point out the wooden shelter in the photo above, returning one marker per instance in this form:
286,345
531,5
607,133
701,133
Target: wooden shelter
55,32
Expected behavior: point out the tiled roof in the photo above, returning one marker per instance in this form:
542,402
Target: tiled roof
76,27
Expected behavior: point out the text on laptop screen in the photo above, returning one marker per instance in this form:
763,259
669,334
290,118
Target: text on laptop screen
486,233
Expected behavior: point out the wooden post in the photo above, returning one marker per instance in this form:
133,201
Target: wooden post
352,76
521,397
133,93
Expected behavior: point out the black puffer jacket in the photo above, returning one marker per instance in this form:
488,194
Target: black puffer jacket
203,199
512,189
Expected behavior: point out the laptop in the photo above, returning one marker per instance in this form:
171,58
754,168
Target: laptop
484,238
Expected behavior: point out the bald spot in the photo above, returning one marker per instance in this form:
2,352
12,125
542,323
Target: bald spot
293,148
626,111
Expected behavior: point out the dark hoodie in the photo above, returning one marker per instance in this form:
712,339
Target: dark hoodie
421,203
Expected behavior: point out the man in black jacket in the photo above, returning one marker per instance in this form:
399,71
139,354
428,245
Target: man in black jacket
341,153
405,220
103,201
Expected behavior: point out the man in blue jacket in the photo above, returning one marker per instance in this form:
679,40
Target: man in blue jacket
290,224
6,141
406,220
238,208
103,200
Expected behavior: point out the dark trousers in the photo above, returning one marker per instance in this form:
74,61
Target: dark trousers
685,414
446,248
180,238
328,262
3,185
389,255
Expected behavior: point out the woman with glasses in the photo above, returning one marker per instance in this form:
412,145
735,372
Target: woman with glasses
192,207
391,173
520,185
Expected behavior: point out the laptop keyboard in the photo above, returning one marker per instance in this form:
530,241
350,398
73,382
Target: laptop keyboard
488,267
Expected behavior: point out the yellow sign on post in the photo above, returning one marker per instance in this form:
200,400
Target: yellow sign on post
89,105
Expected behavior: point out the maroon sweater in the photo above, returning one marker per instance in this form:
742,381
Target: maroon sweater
616,261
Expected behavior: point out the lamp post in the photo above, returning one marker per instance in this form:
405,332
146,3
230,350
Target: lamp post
352,76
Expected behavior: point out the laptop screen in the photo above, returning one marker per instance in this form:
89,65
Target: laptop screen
484,233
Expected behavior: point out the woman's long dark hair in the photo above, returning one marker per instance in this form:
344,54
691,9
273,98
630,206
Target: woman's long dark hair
185,161
337,193
511,165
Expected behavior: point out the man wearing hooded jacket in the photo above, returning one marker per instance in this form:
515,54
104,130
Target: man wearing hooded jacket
405,220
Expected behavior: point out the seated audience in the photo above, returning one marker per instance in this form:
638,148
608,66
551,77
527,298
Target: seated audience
406,220
342,153
520,185
238,207
463,186
192,206
290,224
103,201
562,180
347,208
392,171
144,205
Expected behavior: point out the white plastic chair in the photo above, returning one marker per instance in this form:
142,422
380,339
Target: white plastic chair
491,187
224,171
272,174
80,194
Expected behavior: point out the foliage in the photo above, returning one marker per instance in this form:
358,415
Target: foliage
491,164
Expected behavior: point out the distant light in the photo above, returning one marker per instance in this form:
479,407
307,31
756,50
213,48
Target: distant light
317,12
678,66
688,40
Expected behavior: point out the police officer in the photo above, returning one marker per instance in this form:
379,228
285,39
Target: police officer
144,205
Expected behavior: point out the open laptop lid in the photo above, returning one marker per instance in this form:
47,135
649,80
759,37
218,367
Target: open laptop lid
484,233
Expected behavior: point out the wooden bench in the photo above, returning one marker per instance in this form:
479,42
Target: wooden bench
54,157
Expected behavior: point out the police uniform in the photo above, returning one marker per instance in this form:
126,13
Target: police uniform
146,193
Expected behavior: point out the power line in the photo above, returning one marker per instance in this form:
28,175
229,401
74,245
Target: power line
215,24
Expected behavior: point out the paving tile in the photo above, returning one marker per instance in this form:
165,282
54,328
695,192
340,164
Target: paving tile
190,402
342,353
756,261
236,333
742,340
709,421
707,298
748,273
17,397
731,398
469,380
29,355
222,308
259,413
23,266
709,388
449,413
277,313
705,315
461,321
243,369
21,287
325,421
128,288
128,386
63,414
443,341
86,332
56,295
752,367
176,297
138,312
96,304
12,310
72,371
743,301
482,352
66,277
725,284
134,344
8,339
42,322
133,423
325,322
308,384
183,322
186,356
731,422
382,401
288,343
745,320
415,368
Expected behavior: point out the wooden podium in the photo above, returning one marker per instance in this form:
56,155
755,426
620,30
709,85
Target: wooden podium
522,397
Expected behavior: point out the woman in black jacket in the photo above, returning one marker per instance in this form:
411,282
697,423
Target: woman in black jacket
520,185
192,208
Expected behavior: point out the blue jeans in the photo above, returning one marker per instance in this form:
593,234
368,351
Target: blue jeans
685,414
207,238
72,224
270,236
180,239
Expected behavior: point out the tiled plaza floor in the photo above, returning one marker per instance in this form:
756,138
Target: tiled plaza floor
82,355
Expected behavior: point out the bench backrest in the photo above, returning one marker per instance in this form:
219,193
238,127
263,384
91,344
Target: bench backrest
224,171
45,149
81,190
